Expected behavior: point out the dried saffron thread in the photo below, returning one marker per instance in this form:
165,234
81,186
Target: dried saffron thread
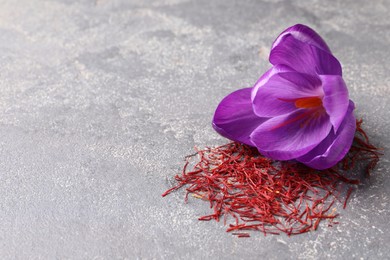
272,197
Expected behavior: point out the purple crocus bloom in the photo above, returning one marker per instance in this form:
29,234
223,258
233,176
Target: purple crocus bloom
299,109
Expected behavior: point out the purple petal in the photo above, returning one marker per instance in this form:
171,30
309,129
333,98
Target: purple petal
304,57
234,117
277,95
336,98
304,34
335,146
293,135
266,76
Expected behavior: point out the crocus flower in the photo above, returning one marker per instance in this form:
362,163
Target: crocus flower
299,109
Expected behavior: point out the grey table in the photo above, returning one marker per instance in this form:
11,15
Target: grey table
101,99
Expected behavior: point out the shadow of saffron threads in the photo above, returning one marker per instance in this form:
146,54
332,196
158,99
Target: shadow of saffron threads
273,197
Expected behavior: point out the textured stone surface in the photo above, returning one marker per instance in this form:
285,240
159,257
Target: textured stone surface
101,99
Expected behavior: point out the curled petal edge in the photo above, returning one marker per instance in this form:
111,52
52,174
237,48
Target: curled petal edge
266,76
304,57
305,34
336,99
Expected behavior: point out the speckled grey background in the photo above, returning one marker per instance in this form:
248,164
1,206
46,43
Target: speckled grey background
101,99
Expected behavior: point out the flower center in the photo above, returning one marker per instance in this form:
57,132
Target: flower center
308,102
314,110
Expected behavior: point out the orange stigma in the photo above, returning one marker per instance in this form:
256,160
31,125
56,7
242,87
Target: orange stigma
308,102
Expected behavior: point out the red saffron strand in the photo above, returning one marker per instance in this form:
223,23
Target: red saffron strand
260,194
349,192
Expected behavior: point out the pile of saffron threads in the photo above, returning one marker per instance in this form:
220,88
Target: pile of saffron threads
255,193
